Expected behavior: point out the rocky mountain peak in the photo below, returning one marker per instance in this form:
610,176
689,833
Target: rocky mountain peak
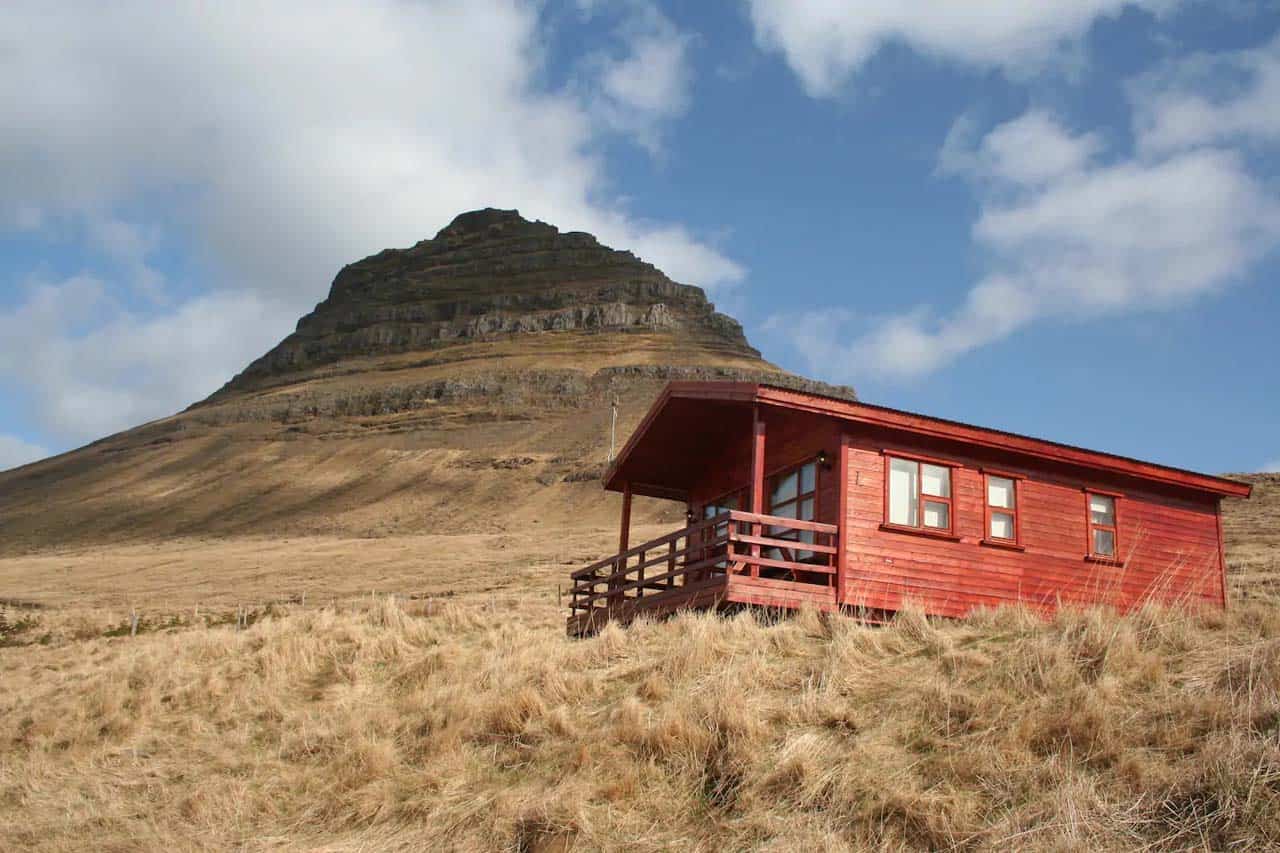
490,222
488,274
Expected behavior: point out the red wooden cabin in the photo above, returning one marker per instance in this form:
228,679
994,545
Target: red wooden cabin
799,499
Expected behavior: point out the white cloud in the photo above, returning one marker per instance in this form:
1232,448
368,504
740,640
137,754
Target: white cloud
299,136
1029,150
14,452
826,42
1209,98
129,246
636,91
1068,237
93,367
274,143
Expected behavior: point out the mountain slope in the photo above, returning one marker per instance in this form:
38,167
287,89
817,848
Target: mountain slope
465,383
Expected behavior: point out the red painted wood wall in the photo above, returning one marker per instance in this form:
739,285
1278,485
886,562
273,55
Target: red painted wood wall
1169,543
1168,538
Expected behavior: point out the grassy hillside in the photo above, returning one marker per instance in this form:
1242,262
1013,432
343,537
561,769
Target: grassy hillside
458,716
479,437
1251,529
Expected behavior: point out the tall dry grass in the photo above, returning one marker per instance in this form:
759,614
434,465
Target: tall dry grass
475,727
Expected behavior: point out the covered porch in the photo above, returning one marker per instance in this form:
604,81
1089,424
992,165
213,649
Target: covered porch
751,478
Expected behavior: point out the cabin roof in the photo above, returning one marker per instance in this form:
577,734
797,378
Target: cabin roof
694,417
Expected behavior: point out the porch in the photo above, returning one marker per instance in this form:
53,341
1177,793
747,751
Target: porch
731,557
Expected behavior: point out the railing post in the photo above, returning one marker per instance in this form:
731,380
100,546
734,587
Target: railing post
757,481
624,536
671,560
615,580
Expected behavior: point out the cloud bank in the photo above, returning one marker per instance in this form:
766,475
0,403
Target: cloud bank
826,43
1069,230
268,144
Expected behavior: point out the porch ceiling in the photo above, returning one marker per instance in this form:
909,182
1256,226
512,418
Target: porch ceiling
668,455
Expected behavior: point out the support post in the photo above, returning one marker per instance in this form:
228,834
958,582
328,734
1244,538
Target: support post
842,522
757,480
624,537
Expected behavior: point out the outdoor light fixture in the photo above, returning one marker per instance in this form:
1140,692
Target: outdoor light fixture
823,460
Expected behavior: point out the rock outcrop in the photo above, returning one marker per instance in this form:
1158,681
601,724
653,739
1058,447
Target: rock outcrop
490,273
476,382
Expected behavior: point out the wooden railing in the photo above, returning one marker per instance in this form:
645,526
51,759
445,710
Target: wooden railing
731,543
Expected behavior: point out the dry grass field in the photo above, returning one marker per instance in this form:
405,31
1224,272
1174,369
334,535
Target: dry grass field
423,696
475,725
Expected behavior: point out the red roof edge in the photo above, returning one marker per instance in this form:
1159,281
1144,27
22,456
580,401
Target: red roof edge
883,416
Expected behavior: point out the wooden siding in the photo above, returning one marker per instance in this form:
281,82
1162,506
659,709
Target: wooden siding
1169,547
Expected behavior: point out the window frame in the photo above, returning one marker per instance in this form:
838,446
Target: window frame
770,483
1090,527
987,509
948,532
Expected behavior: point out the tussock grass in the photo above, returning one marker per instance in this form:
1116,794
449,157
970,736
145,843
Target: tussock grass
402,726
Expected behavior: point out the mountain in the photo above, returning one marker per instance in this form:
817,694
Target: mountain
464,383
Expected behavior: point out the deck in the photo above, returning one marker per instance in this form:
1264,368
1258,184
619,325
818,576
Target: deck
734,557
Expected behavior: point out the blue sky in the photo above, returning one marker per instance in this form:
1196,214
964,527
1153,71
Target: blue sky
1058,218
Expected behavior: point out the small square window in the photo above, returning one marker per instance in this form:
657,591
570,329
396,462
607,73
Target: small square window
937,515
1002,509
1104,542
918,494
1002,526
1102,510
1103,526
935,481
1000,492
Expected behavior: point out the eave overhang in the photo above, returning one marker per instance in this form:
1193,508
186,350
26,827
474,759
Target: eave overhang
745,395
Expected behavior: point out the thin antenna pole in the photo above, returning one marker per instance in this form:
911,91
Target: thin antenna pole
613,428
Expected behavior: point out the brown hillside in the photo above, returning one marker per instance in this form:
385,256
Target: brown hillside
1251,529
463,384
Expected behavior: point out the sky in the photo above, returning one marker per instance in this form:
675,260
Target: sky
1058,218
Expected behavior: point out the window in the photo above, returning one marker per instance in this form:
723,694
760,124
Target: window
1102,525
733,500
1002,509
793,494
723,504
918,494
